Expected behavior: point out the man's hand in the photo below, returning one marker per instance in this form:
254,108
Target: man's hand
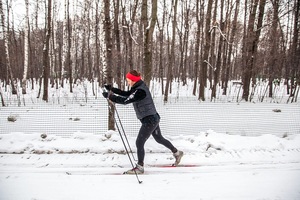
105,94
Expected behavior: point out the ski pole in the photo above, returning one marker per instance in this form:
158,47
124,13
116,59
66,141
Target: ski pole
126,149
121,136
123,131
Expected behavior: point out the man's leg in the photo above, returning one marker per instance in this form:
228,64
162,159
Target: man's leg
161,140
144,133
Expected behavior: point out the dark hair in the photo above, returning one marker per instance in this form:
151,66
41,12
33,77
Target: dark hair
135,73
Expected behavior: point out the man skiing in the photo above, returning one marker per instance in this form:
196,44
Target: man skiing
140,96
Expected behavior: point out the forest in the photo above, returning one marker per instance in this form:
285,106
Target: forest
51,43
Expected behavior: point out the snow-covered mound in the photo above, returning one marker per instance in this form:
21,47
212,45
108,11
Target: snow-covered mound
208,146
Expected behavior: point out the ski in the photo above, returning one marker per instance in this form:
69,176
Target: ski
102,173
94,173
150,171
173,166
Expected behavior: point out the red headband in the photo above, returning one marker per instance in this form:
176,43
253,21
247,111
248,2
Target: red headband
133,77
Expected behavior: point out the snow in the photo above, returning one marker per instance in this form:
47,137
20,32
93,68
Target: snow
240,151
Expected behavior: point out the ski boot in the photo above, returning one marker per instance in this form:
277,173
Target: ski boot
138,169
178,155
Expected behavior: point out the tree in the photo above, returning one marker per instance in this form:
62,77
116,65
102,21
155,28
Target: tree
108,70
148,36
118,42
26,48
230,46
66,46
46,65
273,45
295,75
68,41
97,45
204,63
5,32
161,47
252,40
196,40
184,40
128,34
172,56
217,70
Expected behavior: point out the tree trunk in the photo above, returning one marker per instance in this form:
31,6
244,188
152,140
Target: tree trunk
295,52
118,42
89,59
97,45
204,63
231,40
251,45
211,62
161,49
26,48
64,43
148,35
5,32
172,56
219,55
46,65
274,45
197,45
69,46
186,24
108,42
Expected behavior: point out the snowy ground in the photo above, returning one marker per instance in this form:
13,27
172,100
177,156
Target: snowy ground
240,151
226,181
229,167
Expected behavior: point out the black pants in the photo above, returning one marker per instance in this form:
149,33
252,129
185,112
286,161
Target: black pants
150,126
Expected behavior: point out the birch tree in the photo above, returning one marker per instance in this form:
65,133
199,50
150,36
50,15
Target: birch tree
26,48
199,21
2,26
55,45
65,43
97,45
5,32
68,61
128,32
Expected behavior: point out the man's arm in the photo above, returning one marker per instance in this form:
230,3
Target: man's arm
120,92
137,95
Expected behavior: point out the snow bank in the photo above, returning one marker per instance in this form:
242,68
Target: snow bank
205,144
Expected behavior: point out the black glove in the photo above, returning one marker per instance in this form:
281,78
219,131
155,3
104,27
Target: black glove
108,87
105,94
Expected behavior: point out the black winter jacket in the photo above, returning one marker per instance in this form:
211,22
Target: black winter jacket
139,95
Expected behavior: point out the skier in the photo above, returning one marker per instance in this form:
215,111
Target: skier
140,96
